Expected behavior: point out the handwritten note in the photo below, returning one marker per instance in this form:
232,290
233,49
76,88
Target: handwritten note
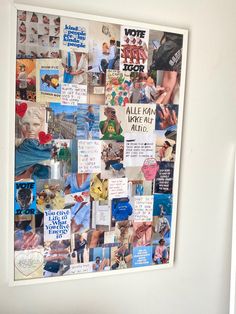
143,208
138,147
117,187
89,156
140,117
73,94
56,224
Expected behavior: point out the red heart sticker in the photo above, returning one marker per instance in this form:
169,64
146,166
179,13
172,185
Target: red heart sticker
21,109
44,138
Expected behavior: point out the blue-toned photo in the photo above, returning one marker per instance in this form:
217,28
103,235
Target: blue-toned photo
49,81
62,121
162,214
88,122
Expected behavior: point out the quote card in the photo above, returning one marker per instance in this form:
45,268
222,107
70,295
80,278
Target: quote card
74,34
134,49
89,156
142,256
117,188
73,94
164,178
138,147
140,117
143,208
57,224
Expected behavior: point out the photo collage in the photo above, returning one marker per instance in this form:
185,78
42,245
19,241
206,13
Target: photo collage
96,123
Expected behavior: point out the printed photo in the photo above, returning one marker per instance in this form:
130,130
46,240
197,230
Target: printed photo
124,231
63,158
162,214
25,79
101,258
117,88
121,257
96,88
142,233
166,117
111,121
165,146
88,122
28,232
50,195
80,216
104,46
80,251
62,121
57,258
165,58
112,159
33,144
98,188
37,35
75,66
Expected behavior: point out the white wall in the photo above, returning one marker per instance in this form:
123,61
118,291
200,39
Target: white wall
199,281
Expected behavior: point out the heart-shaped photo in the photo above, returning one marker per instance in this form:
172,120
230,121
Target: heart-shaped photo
44,137
21,109
28,262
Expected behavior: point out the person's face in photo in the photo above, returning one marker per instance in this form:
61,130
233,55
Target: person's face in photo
90,109
30,127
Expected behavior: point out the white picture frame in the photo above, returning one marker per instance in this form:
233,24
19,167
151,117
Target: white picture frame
10,195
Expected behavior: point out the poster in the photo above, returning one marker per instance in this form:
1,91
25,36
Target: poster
48,84
134,49
97,132
25,198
